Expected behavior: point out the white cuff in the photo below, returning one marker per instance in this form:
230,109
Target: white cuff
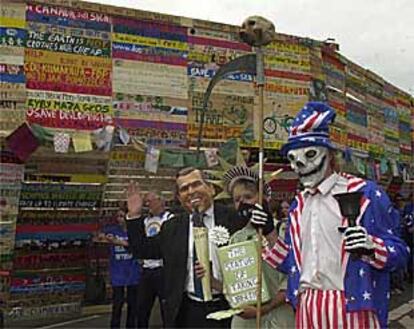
132,217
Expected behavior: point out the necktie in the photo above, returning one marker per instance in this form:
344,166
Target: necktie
198,221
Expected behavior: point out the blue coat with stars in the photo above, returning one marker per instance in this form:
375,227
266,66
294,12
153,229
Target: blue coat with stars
366,285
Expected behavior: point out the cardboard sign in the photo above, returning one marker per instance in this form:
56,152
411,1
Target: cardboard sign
238,263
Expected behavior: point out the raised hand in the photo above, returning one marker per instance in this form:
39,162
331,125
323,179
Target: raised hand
134,199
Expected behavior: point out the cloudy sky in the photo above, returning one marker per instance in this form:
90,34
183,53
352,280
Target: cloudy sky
377,34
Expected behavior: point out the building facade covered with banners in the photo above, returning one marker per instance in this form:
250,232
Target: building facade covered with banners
93,96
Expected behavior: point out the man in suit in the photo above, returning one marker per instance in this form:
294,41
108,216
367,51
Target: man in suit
174,245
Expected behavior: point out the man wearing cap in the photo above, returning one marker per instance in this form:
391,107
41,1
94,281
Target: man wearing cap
338,274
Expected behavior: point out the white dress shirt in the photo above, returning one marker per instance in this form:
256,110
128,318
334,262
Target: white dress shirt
321,240
209,223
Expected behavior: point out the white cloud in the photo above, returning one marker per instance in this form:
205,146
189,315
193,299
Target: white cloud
377,34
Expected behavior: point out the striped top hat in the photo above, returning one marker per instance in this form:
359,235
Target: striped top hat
310,127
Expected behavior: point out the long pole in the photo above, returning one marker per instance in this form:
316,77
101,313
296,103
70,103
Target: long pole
260,80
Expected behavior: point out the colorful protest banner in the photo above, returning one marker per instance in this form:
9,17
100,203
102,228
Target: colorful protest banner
68,73
68,44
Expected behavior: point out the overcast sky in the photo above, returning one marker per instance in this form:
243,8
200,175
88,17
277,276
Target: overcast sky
377,34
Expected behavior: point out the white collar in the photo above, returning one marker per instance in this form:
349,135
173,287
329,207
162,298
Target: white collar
328,184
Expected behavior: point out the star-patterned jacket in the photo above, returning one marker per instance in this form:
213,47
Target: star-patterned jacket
366,280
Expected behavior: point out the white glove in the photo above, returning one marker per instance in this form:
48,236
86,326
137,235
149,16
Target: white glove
357,239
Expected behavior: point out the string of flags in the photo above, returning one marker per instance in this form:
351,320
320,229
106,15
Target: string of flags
27,138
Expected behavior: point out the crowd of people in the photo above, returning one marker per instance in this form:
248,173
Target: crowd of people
322,269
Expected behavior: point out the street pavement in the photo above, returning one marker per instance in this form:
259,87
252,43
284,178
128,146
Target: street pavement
401,316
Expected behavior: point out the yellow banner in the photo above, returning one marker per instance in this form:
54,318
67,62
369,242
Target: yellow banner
12,22
82,142
57,105
50,57
150,42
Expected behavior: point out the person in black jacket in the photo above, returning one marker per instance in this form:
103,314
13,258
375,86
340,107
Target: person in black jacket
174,245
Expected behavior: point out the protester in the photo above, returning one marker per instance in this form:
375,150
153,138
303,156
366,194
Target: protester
397,274
151,282
282,218
242,184
338,274
407,228
124,271
182,307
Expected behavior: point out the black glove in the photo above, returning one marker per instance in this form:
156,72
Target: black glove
258,217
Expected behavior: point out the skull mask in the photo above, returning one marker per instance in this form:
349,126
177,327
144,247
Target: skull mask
310,163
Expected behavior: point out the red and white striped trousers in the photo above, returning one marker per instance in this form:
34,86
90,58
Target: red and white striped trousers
320,309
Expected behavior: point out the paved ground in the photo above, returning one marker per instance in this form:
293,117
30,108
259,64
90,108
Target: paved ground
401,316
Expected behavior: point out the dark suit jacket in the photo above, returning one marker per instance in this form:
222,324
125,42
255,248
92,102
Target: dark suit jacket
172,246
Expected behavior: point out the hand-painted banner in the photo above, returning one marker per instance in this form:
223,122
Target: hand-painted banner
287,56
356,113
152,28
149,33
334,78
12,55
53,20
213,34
13,10
57,217
68,17
227,116
64,30
68,119
233,87
208,54
149,54
12,37
12,87
52,83
357,142
49,57
149,42
284,86
12,74
47,288
67,97
219,43
150,79
68,228
150,108
197,70
11,69
47,311
68,106
68,73
68,13
46,278
13,116
169,134
17,96
68,44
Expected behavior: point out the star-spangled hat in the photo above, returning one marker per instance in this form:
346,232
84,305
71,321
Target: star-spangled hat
310,127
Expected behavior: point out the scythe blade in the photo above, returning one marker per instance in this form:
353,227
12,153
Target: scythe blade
245,63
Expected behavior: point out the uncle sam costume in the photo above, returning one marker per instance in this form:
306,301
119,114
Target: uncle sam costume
361,301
